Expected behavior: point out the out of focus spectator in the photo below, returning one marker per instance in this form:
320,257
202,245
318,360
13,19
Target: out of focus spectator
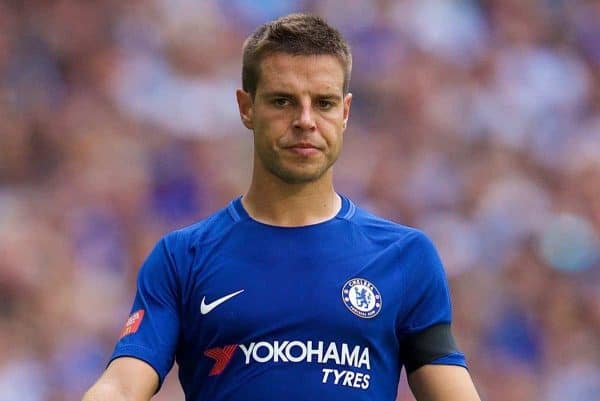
478,121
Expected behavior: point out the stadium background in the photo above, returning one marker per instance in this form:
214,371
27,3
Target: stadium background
478,121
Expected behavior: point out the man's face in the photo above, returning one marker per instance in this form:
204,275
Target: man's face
298,116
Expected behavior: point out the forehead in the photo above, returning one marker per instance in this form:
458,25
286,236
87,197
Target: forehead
285,72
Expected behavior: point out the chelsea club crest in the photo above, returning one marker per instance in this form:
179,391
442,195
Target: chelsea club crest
362,298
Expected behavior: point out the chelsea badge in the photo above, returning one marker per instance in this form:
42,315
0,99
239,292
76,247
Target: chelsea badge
362,298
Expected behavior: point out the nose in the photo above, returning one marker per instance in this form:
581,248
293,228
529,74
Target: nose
304,120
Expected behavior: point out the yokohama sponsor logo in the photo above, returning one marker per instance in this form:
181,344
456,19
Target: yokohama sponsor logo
298,351
222,356
292,352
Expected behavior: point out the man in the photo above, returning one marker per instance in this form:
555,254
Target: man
292,291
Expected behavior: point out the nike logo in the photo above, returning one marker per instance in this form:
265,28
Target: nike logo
205,308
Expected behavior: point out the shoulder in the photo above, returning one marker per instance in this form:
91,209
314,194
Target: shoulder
380,229
202,232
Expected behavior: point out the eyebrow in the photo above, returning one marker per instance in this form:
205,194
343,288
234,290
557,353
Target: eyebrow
330,96
276,94
270,95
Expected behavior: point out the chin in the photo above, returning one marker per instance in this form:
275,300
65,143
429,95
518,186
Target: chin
299,178
290,176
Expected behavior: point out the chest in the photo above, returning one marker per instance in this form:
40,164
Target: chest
247,294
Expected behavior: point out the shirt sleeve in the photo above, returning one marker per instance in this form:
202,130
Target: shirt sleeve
424,329
152,330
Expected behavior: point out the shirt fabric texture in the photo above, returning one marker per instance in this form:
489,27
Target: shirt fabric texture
323,315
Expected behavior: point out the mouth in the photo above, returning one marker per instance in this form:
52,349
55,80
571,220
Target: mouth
304,149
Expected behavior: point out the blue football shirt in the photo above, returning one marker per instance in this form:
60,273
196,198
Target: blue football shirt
254,312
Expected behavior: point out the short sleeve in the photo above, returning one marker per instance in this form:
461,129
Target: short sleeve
424,327
152,330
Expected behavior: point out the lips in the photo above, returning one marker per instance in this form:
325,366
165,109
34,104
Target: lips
303,145
304,149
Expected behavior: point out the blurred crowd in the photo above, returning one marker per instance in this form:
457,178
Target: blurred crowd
477,121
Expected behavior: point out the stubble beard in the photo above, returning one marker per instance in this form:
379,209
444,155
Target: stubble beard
276,167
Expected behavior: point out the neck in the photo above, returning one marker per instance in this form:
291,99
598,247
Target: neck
278,203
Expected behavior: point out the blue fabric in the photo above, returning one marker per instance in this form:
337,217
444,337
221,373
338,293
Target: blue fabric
323,310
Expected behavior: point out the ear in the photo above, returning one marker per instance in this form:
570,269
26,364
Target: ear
347,102
245,106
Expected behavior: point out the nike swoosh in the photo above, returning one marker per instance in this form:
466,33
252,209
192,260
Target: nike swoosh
205,308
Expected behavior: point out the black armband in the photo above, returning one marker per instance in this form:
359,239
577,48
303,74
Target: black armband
426,346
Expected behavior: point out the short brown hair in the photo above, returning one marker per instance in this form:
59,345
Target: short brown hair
296,34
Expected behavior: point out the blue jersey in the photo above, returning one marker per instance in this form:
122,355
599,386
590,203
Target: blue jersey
254,312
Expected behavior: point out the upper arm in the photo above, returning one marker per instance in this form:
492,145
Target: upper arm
442,383
145,352
125,379
152,331
424,323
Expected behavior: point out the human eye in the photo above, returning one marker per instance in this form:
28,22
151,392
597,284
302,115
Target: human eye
280,102
325,104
